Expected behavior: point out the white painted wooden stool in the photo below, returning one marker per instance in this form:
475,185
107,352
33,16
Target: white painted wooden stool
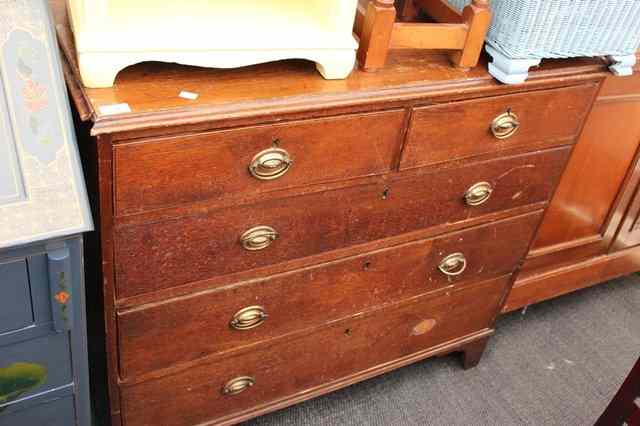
113,34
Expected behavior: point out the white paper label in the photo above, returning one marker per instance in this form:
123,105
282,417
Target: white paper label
115,109
188,95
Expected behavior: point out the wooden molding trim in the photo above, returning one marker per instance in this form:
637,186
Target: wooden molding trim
564,280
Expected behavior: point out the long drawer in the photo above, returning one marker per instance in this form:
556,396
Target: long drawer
219,242
186,329
442,133
265,374
171,171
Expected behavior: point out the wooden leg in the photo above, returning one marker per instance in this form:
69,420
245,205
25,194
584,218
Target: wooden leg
477,16
472,353
375,34
408,11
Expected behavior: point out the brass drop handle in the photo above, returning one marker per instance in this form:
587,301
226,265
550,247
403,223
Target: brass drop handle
453,265
270,164
248,318
505,125
478,194
258,238
238,385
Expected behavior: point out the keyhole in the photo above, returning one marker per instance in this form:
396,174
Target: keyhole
347,332
386,193
367,265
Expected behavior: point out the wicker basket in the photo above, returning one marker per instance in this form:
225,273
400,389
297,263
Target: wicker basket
536,29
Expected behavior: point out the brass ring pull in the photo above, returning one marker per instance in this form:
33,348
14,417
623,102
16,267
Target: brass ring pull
270,164
238,385
453,265
258,238
248,318
478,194
505,125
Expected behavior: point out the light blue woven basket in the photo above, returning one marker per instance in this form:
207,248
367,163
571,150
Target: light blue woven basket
528,29
525,31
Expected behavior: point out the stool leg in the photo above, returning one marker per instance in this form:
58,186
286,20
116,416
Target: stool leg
508,70
335,65
622,65
376,34
477,16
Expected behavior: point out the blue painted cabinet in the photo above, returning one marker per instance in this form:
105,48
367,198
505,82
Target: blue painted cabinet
43,213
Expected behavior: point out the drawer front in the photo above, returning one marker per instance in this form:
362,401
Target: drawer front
54,412
16,311
196,395
171,253
173,171
464,129
34,366
231,318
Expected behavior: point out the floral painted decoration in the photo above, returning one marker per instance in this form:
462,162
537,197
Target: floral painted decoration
62,297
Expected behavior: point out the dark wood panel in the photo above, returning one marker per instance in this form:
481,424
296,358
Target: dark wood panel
170,253
166,172
629,233
195,395
188,328
551,117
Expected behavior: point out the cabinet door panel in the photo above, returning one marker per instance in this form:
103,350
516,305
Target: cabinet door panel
590,185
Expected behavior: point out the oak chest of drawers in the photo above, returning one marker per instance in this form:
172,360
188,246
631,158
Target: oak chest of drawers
283,236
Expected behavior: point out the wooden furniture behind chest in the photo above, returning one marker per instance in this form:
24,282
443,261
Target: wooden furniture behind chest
284,236
590,233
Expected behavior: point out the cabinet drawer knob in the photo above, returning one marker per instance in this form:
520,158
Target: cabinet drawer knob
248,318
453,265
238,385
505,125
478,194
258,238
270,164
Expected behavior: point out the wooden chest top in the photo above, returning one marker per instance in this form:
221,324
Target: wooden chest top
283,90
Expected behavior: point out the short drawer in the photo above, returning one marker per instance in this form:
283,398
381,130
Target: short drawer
179,170
459,130
197,395
171,253
49,411
34,366
190,328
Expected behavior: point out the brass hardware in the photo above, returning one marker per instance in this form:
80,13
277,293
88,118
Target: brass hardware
478,194
505,125
258,238
453,265
238,385
248,318
270,164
